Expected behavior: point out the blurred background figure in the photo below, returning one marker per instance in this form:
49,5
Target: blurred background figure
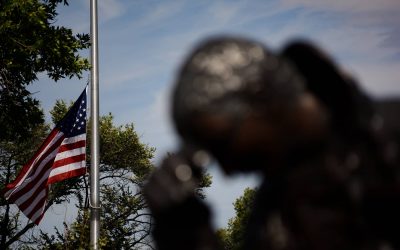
328,154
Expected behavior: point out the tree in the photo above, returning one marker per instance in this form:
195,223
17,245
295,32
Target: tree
12,157
125,163
232,237
30,43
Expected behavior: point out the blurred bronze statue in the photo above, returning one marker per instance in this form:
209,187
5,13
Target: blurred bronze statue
328,153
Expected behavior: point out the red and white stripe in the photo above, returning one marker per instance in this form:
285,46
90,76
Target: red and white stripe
58,158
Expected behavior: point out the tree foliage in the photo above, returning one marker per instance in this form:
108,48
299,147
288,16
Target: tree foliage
205,182
125,163
12,157
232,236
30,44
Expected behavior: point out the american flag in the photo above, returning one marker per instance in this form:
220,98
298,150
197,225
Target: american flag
61,156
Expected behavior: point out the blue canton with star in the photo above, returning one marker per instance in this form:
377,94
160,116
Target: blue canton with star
74,122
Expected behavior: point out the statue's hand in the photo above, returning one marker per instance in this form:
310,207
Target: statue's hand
171,183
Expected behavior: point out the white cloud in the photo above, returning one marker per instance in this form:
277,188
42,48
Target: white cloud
109,9
378,17
379,80
127,73
155,15
223,13
347,5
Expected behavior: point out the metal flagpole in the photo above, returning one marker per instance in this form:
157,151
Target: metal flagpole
95,141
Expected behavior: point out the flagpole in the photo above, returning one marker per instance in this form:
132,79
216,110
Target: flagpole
95,152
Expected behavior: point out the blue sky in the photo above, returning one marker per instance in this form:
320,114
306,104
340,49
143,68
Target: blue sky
142,43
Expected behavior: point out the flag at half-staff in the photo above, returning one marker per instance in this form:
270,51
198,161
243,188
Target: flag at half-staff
61,156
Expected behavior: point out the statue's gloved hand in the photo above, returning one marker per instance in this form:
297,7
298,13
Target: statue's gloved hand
182,220
172,183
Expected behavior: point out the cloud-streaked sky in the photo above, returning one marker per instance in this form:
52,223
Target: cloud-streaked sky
142,43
